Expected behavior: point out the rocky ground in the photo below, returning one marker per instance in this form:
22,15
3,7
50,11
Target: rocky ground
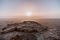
29,30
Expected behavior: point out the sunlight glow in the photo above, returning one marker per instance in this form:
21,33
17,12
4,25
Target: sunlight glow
28,13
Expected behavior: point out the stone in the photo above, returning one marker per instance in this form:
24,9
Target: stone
22,31
26,26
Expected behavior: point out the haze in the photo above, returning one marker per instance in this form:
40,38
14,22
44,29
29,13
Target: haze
31,8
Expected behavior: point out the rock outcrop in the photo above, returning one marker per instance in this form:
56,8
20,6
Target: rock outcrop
27,30
26,26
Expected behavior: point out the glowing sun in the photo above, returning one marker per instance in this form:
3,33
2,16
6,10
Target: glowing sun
28,13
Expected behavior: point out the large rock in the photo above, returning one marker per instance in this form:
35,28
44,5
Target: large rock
22,31
28,30
26,26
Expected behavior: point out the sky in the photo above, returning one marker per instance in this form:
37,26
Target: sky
39,8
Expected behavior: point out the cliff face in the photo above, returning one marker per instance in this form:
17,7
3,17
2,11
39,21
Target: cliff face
27,30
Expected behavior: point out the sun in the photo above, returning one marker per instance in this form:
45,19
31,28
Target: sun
28,13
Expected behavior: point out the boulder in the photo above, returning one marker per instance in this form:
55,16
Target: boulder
22,31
